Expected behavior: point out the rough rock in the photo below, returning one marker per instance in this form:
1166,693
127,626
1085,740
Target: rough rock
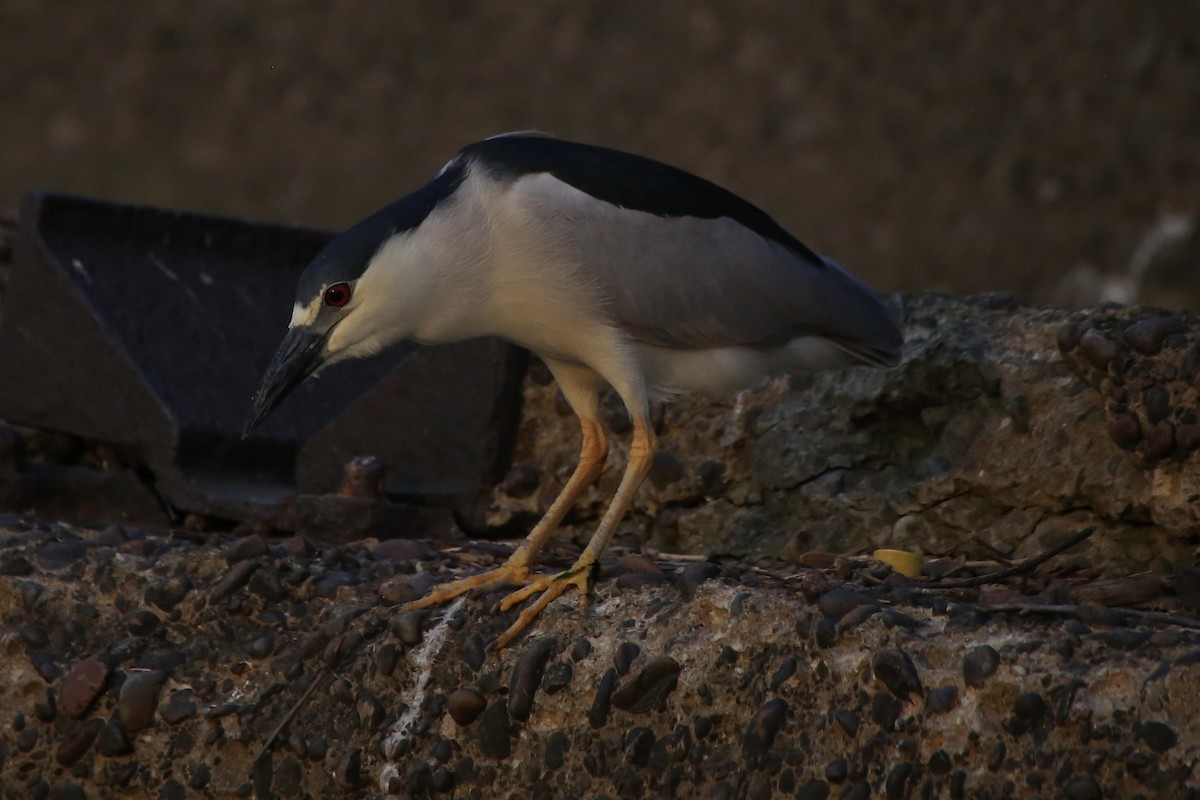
997,434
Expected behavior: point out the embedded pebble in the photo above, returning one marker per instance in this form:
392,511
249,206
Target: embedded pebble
138,698
143,623
762,729
827,633
403,550
77,740
786,670
895,670
407,626
527,677
168,593
558,677
1098,348
837,603
1029,707
81,686
474,651
465,705
693,575
178,707
1084,788
1147,335
649,689
265,583
495,736
598,712
885,711
979,665
637,743
581,649
348,770
623,659
252,546
896,619
941,700
837,770
847,720
234,579
1158,736
59,555
896,784
114,741
557,746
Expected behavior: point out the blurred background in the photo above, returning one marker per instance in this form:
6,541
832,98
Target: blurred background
1051,149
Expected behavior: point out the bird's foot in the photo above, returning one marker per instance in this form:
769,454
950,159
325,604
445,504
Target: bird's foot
551,587
507,574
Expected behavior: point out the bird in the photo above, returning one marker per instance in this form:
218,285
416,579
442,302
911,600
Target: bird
617,270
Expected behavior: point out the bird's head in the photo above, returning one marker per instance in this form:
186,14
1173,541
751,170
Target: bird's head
360,294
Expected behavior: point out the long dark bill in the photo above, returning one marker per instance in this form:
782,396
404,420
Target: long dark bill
297,357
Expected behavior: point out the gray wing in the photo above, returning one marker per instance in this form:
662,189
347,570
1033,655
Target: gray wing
686,282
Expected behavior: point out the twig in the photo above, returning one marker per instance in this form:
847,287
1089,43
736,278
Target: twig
321,676
1024,566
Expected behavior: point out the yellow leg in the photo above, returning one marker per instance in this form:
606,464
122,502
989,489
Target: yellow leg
641,453
515,571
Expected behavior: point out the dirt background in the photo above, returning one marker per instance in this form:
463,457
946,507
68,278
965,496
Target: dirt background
965,146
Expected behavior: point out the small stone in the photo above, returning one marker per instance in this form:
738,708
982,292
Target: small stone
169,592
665,469
402,550
261,647
556,748
138,698
234,579
885,711
637,743
895,619
649,689
1147,335
15,565
762,729
837,603
827,633
848,721
527,677
76,741
178,707
465,705
60,555
940,763
694,575
598,712
703,726
265,583
979,665
1098,348
558,677
837,770
895,670
941,700
114,742
1125,430
407,627
581,649
1158,736
81,686
623,659
1029,707
1160,440
348,770
856,616
786,670
495,737
387,659
896,784
46,709
143,623
253,546
474,651
1084,788
35,637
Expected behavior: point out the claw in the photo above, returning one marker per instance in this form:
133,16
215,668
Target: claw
551,588
507,573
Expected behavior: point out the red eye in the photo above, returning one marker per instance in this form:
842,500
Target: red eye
337,295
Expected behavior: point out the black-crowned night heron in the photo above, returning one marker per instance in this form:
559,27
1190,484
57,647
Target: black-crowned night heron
614,269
